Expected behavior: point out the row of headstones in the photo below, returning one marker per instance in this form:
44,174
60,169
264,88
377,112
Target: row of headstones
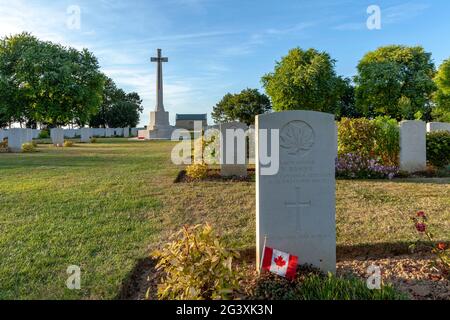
413,156
18,136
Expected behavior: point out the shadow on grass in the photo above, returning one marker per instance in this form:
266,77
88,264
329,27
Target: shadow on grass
143,277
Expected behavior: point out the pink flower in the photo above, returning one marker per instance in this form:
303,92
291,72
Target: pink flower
421,227
421,214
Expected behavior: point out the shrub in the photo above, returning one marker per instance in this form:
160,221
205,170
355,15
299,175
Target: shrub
44,134
197,171
68,144
28,147
206,148
313,285
93,140
196,266
4,144
438,148
377,139
387,140
357,136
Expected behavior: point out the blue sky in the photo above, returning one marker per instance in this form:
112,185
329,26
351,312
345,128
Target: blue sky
220,46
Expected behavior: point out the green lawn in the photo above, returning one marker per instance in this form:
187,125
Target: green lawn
103,206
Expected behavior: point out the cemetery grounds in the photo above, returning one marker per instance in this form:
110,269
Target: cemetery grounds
105,206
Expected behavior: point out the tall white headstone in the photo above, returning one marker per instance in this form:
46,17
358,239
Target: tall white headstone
16,138
413,146
86,135
126,132
57,135
296,206
109,132
233,149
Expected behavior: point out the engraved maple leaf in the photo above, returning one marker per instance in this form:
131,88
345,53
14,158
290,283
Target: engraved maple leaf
297,137
279,261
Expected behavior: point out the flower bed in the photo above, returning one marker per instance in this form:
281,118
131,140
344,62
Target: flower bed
353,166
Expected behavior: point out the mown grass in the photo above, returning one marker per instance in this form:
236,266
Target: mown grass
103,206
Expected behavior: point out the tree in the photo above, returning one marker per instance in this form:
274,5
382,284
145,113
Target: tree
43,82
242,107
441,98
396,81
118,109
304,80
346,107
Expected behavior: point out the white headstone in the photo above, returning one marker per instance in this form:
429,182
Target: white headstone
99,132
296,206
134,132
16,138
251,144
413,146
233,149
70,133
118,132
109,132
36,133
438,126
126,132
57,135
29,135
86,135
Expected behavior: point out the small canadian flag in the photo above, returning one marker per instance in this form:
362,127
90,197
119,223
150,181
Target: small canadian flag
280,263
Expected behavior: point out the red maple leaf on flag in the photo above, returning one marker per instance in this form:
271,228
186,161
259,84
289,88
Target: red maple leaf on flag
280,262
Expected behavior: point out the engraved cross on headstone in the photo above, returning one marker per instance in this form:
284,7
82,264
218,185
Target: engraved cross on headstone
297,206
159,80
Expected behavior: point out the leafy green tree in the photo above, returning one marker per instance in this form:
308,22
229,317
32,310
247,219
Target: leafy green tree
396,81
243,107
304,80
118,109
43,82
441,98
346,107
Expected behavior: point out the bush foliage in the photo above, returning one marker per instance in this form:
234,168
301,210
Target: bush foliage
438,148
28,147
197,266
68,144
377,139
197,171
44,134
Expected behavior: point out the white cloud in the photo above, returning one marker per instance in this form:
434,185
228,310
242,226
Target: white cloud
389,15
399,13
47,23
